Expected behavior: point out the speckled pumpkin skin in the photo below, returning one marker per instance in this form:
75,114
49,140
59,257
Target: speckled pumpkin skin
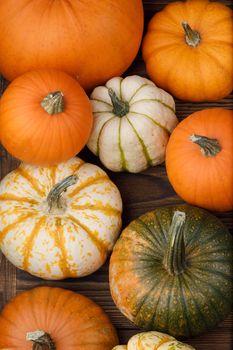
182,305
71,241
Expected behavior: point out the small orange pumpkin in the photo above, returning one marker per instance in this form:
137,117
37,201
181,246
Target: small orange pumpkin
199,159
45,117
55,319
194,62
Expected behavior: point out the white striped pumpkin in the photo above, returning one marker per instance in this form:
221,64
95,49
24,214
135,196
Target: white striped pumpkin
153,341
66,232
133,119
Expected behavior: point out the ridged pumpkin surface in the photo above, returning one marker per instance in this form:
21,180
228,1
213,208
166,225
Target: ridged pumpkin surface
153,298
201,171
195,67
34,132
131,129
73,321
92,40
72,239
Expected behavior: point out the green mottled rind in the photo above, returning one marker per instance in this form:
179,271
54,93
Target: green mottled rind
184,305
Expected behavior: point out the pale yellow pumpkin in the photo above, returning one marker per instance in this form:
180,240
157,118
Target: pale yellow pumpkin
66,232
153,341
133,120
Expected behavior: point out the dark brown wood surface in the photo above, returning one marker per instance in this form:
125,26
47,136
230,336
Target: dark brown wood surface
141,192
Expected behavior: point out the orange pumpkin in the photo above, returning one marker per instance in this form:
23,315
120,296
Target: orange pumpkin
55,319
188,50
199,159
93,40
45,117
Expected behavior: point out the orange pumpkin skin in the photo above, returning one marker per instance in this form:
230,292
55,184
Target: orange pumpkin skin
32,135
200,73
93,40
204,181
73,321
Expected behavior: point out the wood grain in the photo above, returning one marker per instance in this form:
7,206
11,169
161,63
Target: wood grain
141,192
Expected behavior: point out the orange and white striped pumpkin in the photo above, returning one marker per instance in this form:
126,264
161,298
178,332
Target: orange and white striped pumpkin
153,341
64,232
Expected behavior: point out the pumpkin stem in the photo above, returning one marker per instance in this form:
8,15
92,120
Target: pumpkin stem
209,147
53,103
192,37
54,196
41,340
120,107
174,261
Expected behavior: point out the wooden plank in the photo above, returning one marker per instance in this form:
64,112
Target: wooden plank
141,193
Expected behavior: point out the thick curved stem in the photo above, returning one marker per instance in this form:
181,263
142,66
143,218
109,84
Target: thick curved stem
54,196
209,147
174,260
53,103
41,340
192,37
120,107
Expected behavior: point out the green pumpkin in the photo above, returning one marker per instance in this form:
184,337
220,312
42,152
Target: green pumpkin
170,271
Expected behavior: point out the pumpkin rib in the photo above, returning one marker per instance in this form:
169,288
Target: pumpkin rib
146,238
220,273
107,209
99,136
154,121
144,149
209,301
146,296
150,234
102,101
14,224
148,55
215,60
184,303
137,90
31,180
194,301
59,240
89,182
122,154
194,238
98,243
28,245
154,100
203,241
217,291
11,197
158,289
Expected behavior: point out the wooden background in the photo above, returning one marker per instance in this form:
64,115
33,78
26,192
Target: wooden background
140,193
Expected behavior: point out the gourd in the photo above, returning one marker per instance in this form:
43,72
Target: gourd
46,318
45,117
90,40
188,50
132,123
171,271
59,222
153,341
199,159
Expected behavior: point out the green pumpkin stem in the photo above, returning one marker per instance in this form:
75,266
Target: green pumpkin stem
120,107
209,147
192,37
41,340
53,103
174,260
54,196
